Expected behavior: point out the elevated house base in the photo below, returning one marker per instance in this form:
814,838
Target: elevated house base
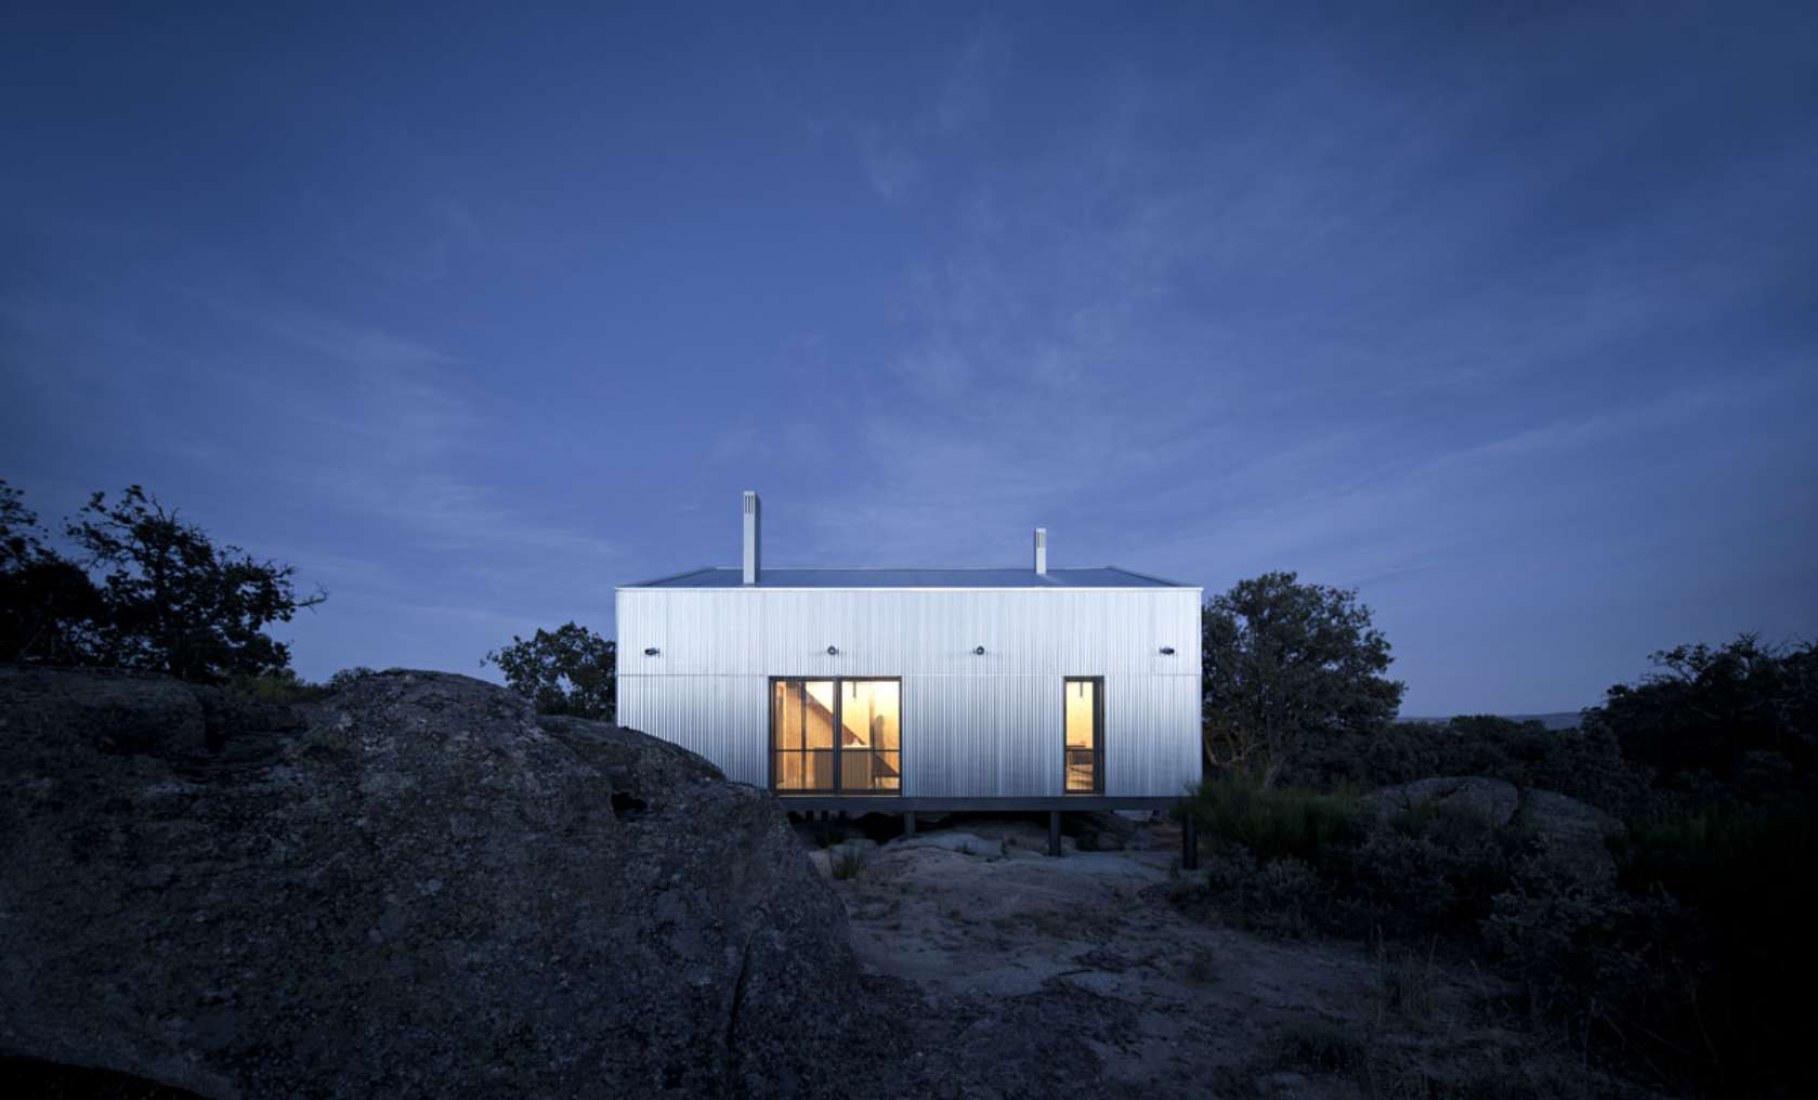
1055,806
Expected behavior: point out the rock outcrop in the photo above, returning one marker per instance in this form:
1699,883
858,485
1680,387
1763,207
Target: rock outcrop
1569,833
411,888
1493,800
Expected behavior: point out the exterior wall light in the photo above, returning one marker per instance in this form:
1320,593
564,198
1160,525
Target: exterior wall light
978,651
833,651
1167,651
651,651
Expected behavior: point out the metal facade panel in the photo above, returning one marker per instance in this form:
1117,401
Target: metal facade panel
1098,576
973,725
724,718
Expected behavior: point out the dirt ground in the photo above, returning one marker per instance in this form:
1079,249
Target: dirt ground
1018,974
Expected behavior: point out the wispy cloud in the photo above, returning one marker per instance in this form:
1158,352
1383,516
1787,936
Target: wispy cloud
890,167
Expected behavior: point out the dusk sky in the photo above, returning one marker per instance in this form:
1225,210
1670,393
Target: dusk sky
1504,315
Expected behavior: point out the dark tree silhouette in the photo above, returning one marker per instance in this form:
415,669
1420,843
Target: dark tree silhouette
569,670
48,606
1286,662
174,602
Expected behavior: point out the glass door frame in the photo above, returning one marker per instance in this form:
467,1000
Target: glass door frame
1098,734
839,702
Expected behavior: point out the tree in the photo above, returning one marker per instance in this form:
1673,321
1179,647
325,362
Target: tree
1733,723
1286,662
174,602
48,606
569,670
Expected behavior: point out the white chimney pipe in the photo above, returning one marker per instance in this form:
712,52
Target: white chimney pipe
1041,551
753,557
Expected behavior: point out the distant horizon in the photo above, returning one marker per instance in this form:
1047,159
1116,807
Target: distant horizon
1503,318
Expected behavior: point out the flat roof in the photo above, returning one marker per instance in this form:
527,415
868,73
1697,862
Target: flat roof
1097,576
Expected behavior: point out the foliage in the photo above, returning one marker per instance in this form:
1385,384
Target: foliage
1424,874
1272,822
1743,876
347,677
48,606
1679,967
569,670
847,861
1287,663
176,603
281,686
150,591
1583,764
1722,726
1292,860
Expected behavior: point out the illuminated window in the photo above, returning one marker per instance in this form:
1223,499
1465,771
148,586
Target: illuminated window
1085,743
865,758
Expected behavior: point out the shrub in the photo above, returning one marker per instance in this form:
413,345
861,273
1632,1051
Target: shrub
848,860
1735,921
1425,873
1318,1044
283,686
1600,967
1405,980
1272,822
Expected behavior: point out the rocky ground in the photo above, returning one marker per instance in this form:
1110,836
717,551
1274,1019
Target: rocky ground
411,886
1023,975
414,886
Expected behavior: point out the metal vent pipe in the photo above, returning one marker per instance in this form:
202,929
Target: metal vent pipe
753,549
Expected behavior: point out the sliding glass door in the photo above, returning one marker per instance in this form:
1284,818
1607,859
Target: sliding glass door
836,736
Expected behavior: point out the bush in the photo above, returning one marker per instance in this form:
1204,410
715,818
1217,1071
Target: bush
1583,764
275,687
1272,822
1283,896
847,861
1290,861
1599,966
1426,873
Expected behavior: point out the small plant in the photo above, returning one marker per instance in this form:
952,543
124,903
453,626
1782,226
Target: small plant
1319,1044
848,860
1405,980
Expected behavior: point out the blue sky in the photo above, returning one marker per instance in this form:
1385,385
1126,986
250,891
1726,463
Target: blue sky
1507,318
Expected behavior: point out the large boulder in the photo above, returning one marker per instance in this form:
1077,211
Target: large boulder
1568,833
410,888
1571,834
1492,800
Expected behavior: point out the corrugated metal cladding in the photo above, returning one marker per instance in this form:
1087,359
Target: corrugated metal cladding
972,726
1097,576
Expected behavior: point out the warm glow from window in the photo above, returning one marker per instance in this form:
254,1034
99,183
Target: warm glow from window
1082,734
867,755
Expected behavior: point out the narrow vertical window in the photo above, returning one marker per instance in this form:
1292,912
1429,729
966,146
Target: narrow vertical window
1085,744
801,734
870,756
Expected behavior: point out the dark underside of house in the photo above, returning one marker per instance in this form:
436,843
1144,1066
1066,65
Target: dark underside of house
1055,805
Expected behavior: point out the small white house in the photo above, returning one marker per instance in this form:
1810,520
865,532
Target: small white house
897,689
